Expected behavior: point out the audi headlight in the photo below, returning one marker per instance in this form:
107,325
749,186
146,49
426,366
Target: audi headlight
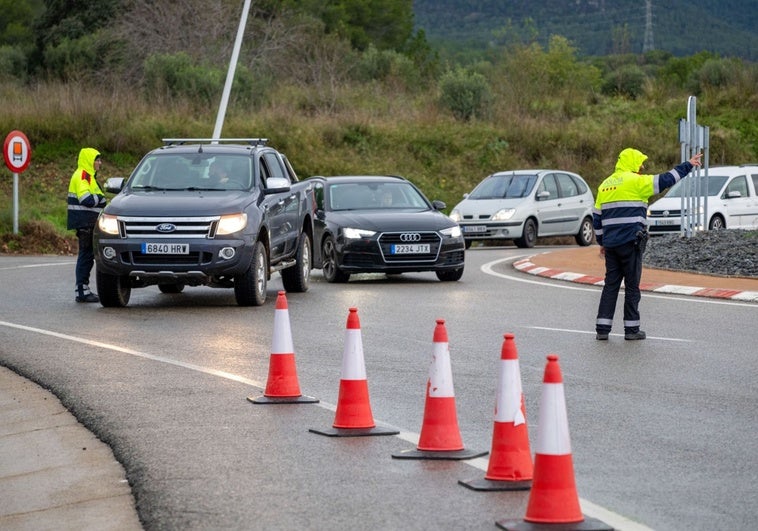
231,223
108,224
503,214
452,232
353,234
455,215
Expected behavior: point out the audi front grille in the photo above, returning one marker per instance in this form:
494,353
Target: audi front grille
388,239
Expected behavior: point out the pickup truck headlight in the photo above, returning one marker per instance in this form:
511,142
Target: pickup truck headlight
354,234
503,214
452,232
108,224
231,223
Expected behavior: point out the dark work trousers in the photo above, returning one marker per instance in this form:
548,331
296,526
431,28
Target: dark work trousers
621,263
86,257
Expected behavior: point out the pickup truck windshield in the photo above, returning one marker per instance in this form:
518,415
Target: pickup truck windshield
193,172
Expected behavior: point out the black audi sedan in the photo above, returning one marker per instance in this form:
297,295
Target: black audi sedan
382,224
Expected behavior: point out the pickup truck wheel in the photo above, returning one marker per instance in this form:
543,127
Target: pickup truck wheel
296,279
450,275
332,273
114,290
171,288
250,286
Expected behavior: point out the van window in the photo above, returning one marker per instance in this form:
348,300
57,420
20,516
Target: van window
738,184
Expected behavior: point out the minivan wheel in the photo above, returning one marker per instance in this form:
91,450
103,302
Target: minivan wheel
586,233
529,237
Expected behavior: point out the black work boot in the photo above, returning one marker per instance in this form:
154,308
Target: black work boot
602,336
639,334
83,294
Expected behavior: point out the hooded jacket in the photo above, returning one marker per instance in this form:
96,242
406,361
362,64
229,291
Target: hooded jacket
85,198
621,205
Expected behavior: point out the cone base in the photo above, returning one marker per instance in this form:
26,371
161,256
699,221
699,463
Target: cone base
455,455
301,399
588,524
492,485
354,432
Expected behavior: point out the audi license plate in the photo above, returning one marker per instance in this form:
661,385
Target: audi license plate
165,248
410,248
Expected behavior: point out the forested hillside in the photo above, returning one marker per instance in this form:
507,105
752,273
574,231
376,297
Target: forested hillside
596,27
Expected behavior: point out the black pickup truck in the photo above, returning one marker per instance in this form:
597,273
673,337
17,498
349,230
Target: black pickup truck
223,213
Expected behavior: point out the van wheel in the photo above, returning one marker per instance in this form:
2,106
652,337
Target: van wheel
717,223
250,286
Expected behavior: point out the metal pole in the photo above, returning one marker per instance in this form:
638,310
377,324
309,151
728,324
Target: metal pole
230,73
15,203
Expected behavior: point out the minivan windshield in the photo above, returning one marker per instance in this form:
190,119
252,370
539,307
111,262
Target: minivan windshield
504,186
715,184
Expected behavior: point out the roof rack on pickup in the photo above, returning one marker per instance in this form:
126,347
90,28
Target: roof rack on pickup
251,141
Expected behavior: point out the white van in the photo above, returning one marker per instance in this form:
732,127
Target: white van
732,201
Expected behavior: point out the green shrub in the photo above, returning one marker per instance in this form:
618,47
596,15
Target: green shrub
627,81
175,75
465,93
12,63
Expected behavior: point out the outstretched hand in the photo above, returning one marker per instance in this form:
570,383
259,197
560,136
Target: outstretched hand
695,160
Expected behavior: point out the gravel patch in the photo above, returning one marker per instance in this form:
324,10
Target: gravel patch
730,252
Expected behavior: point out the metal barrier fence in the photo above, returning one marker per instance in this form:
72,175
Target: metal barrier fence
694,139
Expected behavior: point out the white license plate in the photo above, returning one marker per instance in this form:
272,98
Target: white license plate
413,248
165,248
474,228
659,222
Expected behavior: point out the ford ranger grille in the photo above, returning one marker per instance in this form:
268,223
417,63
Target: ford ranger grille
168,228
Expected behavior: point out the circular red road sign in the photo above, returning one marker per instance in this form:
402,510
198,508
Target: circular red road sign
17,151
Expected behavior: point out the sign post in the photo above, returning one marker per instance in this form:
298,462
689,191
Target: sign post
17,154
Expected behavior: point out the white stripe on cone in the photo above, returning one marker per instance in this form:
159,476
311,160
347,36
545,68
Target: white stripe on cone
282,341
509,393
553,433
441,373
353,364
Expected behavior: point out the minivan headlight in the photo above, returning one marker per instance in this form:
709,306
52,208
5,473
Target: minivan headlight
455,215
503,214
108,224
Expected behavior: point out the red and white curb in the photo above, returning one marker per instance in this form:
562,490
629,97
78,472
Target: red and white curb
527,266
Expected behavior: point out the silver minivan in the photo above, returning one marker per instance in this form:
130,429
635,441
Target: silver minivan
523,205
732,201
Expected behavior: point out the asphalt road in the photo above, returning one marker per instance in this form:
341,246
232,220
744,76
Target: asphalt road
663,431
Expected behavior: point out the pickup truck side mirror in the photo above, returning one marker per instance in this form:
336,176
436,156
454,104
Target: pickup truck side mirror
277,185
114,184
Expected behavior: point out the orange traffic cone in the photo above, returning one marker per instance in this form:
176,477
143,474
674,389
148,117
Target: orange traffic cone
440,436
282,386
553,500
510,466
353,417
